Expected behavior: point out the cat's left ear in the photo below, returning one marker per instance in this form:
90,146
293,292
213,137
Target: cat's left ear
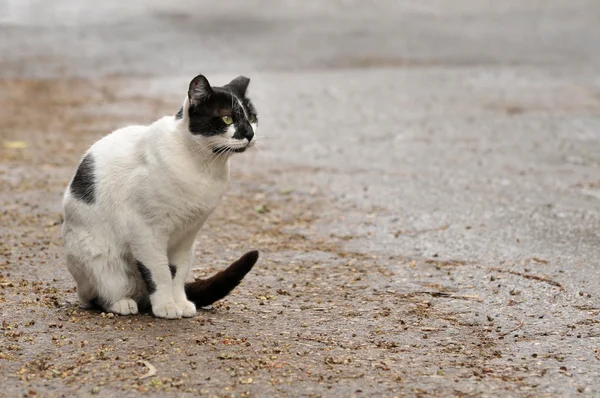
239,85
199,89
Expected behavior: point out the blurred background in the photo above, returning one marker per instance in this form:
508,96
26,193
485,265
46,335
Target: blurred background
426,190
182,37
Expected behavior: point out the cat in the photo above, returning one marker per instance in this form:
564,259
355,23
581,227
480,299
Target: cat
139,197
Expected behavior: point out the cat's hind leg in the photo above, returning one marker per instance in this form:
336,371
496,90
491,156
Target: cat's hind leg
86,292
90,297
116,289
103,275
124,306
115,284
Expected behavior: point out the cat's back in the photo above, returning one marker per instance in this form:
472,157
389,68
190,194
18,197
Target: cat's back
120,144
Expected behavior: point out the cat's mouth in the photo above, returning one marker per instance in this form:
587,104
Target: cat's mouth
223,149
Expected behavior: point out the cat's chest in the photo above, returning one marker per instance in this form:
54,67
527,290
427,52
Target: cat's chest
186,204
202,200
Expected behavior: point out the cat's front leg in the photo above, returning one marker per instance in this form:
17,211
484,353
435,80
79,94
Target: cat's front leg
180,262
153,266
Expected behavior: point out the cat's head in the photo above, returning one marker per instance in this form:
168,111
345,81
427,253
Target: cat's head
221,119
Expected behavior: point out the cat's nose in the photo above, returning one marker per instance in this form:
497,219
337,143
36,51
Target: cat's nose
249,134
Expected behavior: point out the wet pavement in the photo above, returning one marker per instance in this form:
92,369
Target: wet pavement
425,197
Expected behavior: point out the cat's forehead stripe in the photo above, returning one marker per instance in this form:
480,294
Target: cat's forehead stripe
238,104
243,107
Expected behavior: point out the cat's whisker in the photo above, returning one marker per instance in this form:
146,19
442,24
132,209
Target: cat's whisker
224,155
214,157
209,160
203,149
262,146
220,152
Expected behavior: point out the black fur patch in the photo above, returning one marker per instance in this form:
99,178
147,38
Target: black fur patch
179,114
83,185
173,269
147,277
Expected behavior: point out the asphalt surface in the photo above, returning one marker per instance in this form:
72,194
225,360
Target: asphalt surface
425,197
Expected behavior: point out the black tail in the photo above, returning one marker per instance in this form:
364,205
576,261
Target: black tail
204,292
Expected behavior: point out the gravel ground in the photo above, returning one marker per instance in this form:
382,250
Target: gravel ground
425,197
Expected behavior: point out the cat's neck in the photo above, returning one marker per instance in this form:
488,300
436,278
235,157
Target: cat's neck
182,155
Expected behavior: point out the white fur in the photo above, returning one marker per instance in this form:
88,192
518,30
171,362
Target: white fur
155,186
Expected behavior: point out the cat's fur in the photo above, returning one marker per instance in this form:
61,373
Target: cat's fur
139,197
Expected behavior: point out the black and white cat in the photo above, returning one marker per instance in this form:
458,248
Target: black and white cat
139,197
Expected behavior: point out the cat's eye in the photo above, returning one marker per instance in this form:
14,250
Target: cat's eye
252,119
227,119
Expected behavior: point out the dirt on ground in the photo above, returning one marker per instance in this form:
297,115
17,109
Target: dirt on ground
313,318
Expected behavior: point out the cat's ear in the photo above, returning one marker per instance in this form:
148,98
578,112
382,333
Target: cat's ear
239,85
199,89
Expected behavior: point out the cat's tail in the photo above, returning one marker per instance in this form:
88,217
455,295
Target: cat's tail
203,292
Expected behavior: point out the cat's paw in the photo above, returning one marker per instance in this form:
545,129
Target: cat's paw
124,306
168,310
188,308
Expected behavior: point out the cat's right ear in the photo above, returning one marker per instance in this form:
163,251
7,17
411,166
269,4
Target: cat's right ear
199,89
